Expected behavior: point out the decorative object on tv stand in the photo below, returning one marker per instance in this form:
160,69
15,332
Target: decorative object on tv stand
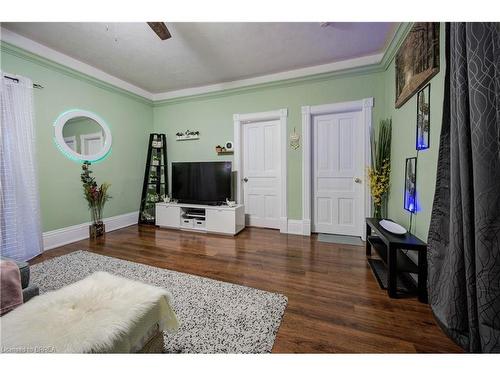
188,135
155,178
423,118
96,197
417,60
380,170
410,194
294,140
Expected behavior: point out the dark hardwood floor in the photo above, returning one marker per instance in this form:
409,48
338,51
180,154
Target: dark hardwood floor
334,303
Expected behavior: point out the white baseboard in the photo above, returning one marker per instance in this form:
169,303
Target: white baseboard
63,236
283,225
296,227
306,227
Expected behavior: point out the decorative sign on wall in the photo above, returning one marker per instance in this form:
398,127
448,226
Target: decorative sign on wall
294,140
410,194
417,60
423,118
188,135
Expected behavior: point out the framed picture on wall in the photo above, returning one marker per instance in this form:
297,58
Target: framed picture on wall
417,60
410,194
423,118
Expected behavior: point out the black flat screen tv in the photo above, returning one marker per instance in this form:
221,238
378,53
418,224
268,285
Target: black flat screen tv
201,182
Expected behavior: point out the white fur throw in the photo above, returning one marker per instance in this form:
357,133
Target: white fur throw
87,316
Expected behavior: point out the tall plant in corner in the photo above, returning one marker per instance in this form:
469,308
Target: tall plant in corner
380,170
96,196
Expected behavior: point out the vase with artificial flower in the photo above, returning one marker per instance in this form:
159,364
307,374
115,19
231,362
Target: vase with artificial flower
380,170
96,196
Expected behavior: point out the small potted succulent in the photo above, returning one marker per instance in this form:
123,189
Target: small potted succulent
156,160
153,198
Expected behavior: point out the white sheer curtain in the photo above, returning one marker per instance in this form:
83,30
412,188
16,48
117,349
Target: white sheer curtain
20,229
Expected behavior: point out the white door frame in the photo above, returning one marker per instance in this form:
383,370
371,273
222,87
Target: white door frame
365,107
240,119
72,140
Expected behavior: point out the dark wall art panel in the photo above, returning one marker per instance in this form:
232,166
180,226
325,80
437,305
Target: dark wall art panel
417,60
423,118
410,195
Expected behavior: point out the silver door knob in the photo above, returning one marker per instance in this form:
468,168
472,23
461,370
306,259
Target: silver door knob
245,179
357,180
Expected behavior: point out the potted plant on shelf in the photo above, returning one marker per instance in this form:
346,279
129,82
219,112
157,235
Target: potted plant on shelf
156,160
380,170
96,197
152,177
153,198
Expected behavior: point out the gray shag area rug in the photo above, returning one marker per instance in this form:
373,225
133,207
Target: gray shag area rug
214,316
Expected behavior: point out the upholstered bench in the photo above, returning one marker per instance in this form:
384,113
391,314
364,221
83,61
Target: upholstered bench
102,313
29,291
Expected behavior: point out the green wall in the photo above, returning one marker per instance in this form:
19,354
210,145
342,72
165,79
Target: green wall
130,120
213,117
403,146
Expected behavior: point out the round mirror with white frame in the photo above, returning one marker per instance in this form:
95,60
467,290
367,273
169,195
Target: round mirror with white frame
82,135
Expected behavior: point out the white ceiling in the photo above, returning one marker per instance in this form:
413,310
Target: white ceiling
201,54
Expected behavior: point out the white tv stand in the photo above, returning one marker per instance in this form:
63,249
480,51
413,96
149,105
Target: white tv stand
195,217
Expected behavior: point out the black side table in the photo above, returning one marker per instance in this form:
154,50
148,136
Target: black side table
389,246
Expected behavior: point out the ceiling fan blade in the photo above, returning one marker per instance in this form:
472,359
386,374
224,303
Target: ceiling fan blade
160,29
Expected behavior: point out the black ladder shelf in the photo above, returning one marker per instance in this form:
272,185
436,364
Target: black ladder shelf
155,178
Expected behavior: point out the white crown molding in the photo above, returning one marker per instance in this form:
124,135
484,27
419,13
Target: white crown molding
290,74
64,236
60,58
375,60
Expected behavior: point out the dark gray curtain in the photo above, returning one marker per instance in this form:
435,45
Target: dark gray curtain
464,234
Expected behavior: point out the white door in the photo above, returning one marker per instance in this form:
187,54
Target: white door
91,144
261,173
338,202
